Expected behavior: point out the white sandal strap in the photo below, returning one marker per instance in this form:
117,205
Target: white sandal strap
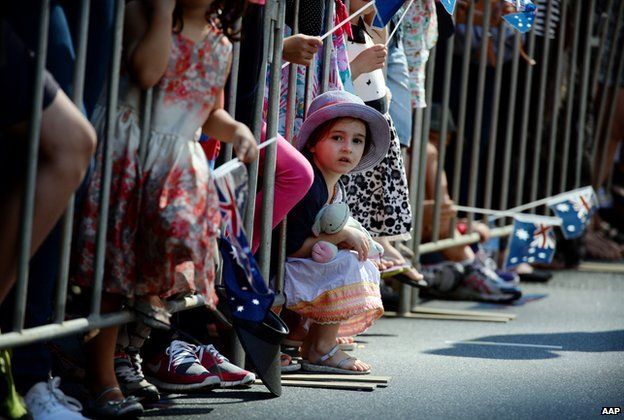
329,355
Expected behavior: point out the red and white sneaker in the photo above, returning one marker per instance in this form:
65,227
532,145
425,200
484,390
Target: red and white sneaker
179,369
229,374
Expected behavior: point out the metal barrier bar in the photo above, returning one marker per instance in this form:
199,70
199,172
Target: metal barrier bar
107,163
554,124
147,99
467,239
270,155
28,199
68,218
584,97
525,121
603,27
461,118
446,92
540,106
493,139
423,158
478,119
416,194
328,44
604,94
570,99
233,84
509,132
257,121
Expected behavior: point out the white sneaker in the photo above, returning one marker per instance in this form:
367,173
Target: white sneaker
46,401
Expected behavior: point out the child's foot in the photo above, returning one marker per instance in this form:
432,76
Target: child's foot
336,361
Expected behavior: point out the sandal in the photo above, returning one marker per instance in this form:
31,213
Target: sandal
152,316
321,368
128,407
287,365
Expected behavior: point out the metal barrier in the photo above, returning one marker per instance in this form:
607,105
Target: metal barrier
565,106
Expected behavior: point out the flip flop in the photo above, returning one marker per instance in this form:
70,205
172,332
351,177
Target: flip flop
287,365
319,368
394,270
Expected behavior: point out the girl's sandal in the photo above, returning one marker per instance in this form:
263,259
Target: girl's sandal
152,316
319,367
127,408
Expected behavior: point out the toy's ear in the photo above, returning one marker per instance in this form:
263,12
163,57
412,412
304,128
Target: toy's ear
316,226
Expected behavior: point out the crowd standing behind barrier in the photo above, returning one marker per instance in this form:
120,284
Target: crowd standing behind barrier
537,114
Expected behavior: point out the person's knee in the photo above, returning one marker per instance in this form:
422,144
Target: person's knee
68,140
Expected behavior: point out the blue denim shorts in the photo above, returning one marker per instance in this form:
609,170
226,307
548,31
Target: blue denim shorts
397,80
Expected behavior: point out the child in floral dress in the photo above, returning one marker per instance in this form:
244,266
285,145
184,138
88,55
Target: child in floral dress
163,211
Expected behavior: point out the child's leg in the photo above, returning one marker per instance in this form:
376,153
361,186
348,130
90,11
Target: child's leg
293,178
320,341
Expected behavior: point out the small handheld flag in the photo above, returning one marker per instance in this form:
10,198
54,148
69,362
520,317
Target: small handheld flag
385,10
524,17
449,6
575,210
532,240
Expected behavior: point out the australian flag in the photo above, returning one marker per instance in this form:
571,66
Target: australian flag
532,240
385,10
524,17
575,210
248,296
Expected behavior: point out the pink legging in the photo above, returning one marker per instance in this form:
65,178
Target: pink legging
293,179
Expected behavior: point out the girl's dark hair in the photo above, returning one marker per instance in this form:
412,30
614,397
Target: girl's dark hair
223,13
324,128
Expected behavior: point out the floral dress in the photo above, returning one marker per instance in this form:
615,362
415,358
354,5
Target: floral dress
420,29
163,212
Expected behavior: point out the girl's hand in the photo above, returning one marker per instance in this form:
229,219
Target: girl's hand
371,59
355,240
300,48
244,144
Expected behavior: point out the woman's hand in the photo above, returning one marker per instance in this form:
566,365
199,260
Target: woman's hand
355,240
371,59
244,144
300,48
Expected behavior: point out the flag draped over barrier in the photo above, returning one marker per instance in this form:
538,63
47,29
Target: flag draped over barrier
532,240
248,296
575,210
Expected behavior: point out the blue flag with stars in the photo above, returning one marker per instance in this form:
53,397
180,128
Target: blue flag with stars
532,240
248,296
524,17
575,210
385,9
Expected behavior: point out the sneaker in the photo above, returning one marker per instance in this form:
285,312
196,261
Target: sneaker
228,373
483,284
179,369
11,404
131,379
45,400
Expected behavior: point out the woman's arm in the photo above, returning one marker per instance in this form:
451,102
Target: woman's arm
223,127
147,43
349,238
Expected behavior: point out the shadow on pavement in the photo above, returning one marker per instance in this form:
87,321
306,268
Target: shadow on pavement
500,346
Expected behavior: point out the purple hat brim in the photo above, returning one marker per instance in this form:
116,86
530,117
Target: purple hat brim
377,124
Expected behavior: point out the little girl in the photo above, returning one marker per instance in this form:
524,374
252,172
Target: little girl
340,298
163,213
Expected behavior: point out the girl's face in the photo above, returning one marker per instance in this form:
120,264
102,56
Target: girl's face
342,146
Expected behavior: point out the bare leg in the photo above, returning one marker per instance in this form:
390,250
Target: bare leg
67,144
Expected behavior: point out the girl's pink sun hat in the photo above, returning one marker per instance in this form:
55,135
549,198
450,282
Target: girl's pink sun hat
339,103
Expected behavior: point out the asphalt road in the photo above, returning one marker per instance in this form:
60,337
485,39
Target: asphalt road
561,358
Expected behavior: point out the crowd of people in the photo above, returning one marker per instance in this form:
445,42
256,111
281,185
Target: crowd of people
349,155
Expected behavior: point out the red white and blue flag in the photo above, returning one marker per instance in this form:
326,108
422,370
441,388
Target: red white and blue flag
248,296
575,210
532,240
